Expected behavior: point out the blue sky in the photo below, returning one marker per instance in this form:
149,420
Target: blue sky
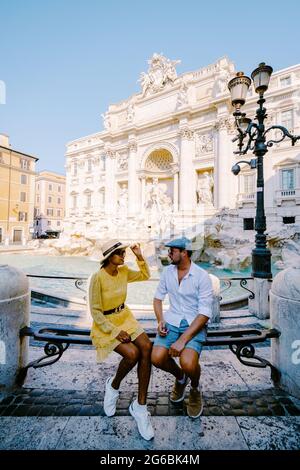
64,61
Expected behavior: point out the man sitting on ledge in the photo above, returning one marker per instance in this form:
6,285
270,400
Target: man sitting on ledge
182,328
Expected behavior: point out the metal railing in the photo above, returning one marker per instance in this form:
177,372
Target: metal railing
228,282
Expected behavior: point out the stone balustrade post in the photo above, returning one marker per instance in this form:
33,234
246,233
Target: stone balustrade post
259,306
14,315
285,317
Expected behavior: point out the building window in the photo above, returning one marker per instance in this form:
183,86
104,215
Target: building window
74,205
23,179
58,200
49,199
58,213
38,187
38,199
49,223
288,179
50,187
102,163
23,197
248,224
22,217
25,165
50,212
59,188
75,167
285,81
88,200
248,184
288,220
89,166
287,119
58,223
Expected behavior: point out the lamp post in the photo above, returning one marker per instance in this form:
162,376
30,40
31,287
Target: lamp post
252,136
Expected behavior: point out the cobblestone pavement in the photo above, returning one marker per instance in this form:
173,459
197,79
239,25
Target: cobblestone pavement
34,402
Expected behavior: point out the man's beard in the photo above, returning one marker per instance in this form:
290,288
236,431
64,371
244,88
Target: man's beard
175,262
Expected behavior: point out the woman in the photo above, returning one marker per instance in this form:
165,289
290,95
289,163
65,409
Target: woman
115,329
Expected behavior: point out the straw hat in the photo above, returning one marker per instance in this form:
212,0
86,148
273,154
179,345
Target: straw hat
109,247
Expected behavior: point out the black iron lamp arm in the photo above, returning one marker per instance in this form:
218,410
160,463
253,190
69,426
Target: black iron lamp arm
285,133
251,132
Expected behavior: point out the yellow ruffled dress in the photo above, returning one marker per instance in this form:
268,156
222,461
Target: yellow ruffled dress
107,292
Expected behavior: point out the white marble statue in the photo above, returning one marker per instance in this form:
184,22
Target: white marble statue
123,200
122,162
106,121
161,71
130,113
221,83
182,97
205,187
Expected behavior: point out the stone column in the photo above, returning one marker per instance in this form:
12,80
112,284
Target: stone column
143,189
110,202
132,178
14,315
285,317
222,165
175,193
187,189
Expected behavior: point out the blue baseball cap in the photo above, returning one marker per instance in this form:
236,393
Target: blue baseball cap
182,243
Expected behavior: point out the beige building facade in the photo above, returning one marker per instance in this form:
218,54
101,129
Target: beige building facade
49,202
17,187
163,162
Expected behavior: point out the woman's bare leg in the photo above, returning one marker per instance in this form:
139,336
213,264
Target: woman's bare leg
130,354
144,366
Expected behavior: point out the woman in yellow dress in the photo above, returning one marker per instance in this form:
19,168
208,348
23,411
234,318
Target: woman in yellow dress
116,329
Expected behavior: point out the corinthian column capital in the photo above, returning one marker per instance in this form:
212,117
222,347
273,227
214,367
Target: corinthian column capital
221,123
132,146
225,123
186,133
110,153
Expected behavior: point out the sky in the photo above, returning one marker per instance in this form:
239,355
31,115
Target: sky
64,61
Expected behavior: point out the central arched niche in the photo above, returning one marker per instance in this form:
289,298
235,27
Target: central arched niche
159,161
159,184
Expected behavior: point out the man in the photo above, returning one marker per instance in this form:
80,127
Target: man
182,329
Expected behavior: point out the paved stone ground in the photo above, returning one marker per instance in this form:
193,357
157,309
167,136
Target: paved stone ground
60,406
49,402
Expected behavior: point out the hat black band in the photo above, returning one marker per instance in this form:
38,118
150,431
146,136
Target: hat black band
112,248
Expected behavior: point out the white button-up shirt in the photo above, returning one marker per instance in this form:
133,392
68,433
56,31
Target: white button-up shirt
192,297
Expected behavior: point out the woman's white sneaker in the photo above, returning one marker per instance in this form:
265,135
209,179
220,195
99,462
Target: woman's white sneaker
110,398
142,417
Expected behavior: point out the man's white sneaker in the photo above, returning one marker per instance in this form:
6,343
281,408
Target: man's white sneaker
142,417
110,398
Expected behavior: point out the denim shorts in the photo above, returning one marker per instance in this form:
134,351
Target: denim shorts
173,334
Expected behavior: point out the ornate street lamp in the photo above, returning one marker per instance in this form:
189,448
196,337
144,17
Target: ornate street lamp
252,137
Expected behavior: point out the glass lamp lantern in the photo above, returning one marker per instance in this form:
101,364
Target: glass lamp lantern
243,123
261,78
238,87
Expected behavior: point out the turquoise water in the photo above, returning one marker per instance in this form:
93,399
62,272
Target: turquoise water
138,293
